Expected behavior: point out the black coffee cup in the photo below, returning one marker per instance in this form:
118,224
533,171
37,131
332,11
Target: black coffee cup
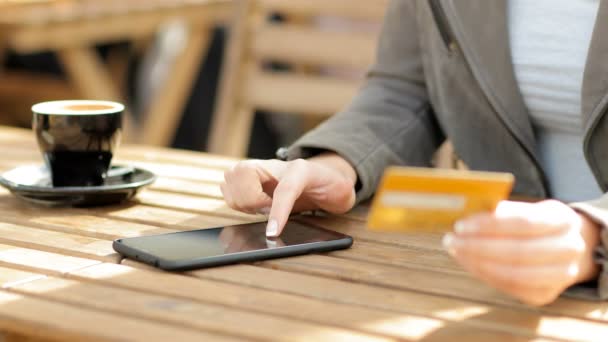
77,139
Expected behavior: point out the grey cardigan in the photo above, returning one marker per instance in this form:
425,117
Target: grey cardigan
443,69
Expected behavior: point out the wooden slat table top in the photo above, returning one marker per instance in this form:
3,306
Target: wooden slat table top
62,280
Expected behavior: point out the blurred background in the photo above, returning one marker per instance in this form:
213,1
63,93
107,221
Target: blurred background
234,77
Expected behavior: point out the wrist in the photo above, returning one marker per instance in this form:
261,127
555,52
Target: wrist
590,232
337,163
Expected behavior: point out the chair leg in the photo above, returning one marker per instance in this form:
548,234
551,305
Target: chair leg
229,103
87,72
237,139
164,112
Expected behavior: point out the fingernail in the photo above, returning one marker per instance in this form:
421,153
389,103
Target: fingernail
264,211
272,228
448,242
271,243
464,227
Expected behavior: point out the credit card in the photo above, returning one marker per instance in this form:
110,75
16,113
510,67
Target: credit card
431,199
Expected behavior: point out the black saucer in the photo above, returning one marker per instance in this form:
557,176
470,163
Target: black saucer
33,184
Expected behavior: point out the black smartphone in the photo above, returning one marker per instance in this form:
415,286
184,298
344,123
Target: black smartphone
188,250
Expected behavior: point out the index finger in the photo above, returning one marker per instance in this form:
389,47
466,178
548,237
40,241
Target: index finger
286,193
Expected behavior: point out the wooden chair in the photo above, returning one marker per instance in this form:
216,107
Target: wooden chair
306,86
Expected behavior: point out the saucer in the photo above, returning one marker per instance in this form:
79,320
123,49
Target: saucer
33,184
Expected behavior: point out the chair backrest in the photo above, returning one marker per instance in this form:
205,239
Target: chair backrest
304,57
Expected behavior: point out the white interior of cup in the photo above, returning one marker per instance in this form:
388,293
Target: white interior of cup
77,107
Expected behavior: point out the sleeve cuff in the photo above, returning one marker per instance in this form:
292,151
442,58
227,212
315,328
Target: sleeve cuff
362,158
597,289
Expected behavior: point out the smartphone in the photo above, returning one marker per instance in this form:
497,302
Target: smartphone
201,248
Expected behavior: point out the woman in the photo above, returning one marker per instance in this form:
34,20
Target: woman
518,86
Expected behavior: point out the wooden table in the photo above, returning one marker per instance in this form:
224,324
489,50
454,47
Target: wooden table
62,280
73,28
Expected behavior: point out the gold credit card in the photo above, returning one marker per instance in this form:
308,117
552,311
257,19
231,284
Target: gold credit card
425,199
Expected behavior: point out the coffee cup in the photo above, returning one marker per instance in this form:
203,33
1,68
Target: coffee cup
77,139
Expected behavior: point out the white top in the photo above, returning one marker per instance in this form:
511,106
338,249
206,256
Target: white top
549,44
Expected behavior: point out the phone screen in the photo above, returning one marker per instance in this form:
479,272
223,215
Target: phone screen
212,242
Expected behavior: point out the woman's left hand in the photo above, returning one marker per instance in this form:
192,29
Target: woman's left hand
532,251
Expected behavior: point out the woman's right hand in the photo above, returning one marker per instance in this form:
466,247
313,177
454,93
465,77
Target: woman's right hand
277,187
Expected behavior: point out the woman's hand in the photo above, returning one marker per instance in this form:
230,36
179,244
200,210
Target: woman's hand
277,188
532,251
